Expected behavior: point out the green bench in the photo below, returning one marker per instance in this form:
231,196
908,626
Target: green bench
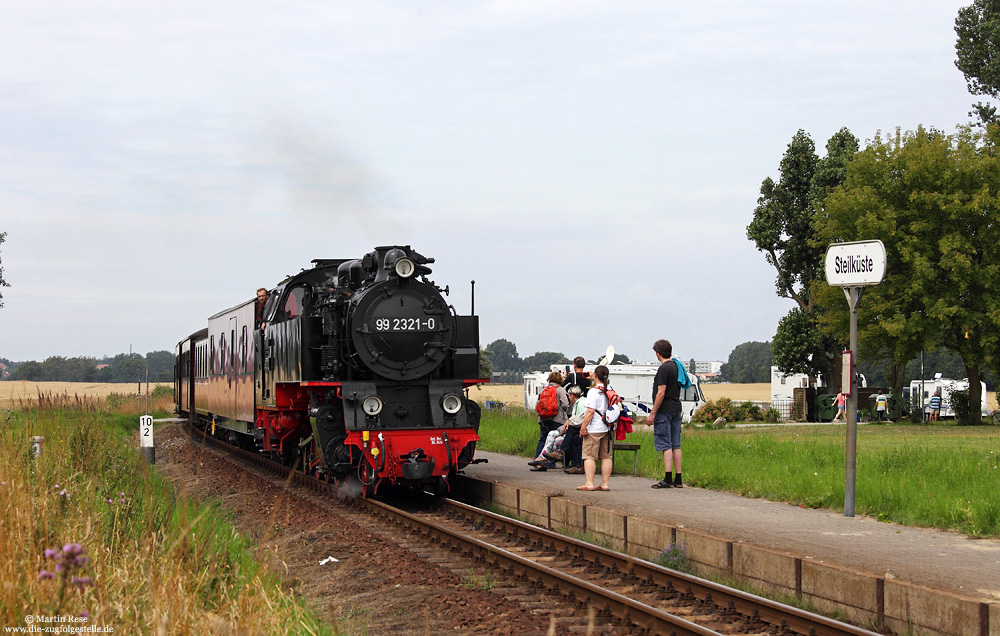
633,448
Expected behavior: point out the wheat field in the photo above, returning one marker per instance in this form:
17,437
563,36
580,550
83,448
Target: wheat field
511,394
759,392
14,392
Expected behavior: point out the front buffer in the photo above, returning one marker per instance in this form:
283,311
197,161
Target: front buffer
411,456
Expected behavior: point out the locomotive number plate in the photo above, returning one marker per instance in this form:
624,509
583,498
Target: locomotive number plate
405,324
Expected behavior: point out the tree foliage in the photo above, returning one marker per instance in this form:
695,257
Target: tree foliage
782,222
122,368
503,356
783,229
800,347
542,360
749,362
978,52
934,201
485,367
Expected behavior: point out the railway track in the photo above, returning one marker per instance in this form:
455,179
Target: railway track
623,594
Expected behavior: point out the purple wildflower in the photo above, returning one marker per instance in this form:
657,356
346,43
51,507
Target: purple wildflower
84,614
111,501
69,560
72,549
82,581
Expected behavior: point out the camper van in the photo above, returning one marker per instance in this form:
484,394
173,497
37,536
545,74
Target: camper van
633,382
783,385
925,389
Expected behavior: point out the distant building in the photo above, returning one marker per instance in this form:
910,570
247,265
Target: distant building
708,366
102,366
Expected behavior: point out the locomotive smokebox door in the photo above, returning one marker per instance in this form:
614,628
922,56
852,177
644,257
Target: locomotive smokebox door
402,330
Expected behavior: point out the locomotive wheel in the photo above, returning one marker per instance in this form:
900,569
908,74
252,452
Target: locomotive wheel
369,480
441,487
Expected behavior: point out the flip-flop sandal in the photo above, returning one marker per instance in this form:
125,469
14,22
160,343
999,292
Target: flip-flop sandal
584,487
602,488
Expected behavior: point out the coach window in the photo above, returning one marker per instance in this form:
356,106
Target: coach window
243,350
211,355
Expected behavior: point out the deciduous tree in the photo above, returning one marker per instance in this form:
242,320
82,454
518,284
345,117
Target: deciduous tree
503,356
934,201
542,360
978,52
782,228
749,362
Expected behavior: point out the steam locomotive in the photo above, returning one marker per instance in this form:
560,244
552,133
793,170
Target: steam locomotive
353,371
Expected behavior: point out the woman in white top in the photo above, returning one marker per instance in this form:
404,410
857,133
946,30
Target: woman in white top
595,433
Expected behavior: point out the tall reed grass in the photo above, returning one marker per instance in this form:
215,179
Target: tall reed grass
940,476
88,529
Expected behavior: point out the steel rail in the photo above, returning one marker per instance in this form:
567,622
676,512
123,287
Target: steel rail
645,573
798,620
585,592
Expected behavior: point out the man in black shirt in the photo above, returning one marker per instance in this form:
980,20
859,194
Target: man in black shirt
576,377
666,415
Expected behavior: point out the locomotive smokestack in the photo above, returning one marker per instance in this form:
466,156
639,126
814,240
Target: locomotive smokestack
473,298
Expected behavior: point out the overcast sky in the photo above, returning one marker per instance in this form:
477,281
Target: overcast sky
592,165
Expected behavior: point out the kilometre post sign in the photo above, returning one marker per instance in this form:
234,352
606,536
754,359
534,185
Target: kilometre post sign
855,264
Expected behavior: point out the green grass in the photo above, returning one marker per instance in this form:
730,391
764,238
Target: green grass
158,562
940,476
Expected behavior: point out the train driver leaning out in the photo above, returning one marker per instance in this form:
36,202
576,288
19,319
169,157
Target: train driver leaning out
261,302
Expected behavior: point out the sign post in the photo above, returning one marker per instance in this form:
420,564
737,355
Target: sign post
853,266
146,438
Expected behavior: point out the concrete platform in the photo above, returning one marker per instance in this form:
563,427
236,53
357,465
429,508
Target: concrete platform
904,578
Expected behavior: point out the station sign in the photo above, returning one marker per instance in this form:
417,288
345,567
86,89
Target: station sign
855,264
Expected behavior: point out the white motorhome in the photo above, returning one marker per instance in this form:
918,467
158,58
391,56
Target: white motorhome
925,389
783,385
633,382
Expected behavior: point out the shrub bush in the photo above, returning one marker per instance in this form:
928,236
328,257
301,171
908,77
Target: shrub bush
733,412
963,410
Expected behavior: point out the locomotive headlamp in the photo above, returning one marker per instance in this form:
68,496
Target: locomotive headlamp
372,405
405,268
451,404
